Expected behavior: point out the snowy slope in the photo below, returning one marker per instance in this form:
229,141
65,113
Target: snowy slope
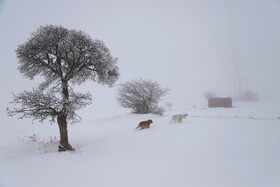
237,147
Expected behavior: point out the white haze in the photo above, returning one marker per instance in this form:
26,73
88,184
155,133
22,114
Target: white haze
189,46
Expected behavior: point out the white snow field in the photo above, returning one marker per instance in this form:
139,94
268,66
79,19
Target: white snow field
217,147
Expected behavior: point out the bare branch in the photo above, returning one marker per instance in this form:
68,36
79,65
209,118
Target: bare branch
35,104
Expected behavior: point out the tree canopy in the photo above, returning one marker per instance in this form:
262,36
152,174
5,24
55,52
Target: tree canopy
56,53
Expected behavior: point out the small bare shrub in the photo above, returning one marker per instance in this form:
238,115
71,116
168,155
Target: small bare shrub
44,145
142,96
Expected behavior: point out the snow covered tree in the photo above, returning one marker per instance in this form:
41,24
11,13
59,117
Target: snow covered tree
209,94
64,58
142,96
249,95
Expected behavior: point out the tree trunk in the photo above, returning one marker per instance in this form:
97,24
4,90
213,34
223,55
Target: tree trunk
64,143
62,120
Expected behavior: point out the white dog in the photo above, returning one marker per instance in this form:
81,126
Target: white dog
178,118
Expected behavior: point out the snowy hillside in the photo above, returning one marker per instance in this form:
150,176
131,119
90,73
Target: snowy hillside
236,147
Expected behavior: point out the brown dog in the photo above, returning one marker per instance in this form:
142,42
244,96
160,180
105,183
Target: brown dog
144,124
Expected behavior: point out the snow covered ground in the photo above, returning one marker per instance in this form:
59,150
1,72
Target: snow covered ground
219,147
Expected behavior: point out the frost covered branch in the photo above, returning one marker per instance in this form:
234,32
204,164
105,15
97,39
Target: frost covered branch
34,104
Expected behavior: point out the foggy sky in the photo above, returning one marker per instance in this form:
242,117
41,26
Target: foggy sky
189,46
